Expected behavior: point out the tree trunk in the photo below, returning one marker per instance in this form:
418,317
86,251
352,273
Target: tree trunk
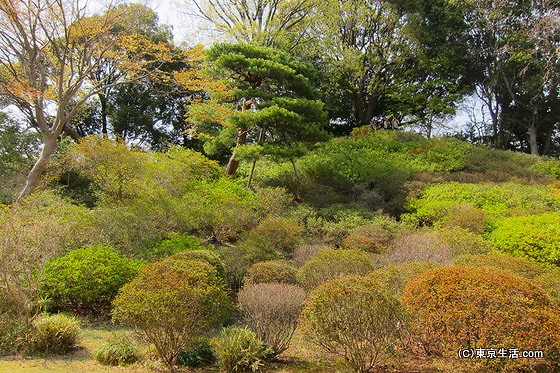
233,164
103,102
34,176
533,139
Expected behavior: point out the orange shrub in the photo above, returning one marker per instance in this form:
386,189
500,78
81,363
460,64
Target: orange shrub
457,307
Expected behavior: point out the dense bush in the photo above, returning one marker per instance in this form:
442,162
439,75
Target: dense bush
280,233
86,280
172,301
239,349
238,259
519,266
465,216
354,317
506,199
421,246
15,333
278,271
550,283
395,277
207,256
461,241
535,237
176,243
306,252
470,307
272,311
222,209
119,350
54,334
371,238
331,263
33,231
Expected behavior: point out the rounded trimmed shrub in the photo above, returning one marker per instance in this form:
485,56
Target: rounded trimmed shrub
203,255
354,317
395,276
54,334
272,311
280,233
239,349
117,351
519,266
457,307
86,280
420,246
172,301
370,238
333,263
278,271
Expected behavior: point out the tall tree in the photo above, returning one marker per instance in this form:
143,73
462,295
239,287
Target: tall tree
273,109
275,23
48,50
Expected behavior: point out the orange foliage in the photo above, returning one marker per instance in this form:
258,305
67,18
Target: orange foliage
457,307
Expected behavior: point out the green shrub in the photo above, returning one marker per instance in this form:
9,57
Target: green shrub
465,216
461,241
272,311
86,280
207,256
198,353
330,263
548,168
239,349
119,350
222,209
395,276
499,165
356,318
470,307
175,244
54,334
172,301
278,271
519,266
535,237
506,199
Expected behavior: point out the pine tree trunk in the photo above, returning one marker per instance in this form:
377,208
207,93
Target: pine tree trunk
233,164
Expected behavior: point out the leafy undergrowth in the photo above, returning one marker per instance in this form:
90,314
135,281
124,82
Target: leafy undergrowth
301,357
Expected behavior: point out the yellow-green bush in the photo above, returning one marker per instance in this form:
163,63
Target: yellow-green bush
457,307
119,350
172,301
462,241
356,318
271,271
394,277
535,237
332,263
371,238
239,349
86,280
519,266
54,334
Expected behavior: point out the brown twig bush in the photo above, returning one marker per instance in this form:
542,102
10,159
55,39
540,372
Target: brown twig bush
272,311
